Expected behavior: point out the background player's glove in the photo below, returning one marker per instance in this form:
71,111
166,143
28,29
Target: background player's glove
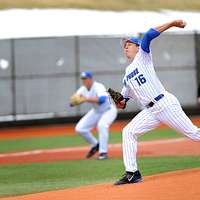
76,99
117,98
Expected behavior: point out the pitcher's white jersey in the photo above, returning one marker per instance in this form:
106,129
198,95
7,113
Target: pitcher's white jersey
97,90
142,84
140,81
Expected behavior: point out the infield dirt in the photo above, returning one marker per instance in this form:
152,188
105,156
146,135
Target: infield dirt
179,185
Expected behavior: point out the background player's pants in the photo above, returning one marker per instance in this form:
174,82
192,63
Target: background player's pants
168,111
100,120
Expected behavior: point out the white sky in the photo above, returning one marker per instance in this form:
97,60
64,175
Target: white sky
21,23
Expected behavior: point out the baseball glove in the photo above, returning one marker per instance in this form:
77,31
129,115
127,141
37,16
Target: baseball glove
116,96
76,99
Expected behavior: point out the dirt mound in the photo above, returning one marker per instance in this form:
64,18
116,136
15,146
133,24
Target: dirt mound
179,185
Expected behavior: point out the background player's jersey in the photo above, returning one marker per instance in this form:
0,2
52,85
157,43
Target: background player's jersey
140,78
97,90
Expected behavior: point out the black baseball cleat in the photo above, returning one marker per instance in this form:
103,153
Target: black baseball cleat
102,156
130,177
93,150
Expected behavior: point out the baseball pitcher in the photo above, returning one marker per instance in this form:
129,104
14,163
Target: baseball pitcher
141,84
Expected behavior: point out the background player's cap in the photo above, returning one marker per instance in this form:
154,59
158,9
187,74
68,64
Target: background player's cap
86,74
134,40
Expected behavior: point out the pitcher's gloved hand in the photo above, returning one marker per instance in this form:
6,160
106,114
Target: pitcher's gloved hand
118,98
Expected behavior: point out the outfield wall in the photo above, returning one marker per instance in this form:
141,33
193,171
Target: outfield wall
38,75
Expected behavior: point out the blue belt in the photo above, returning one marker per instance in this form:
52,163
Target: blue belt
160,96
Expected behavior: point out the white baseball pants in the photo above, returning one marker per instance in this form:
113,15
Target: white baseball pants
101,121
168,111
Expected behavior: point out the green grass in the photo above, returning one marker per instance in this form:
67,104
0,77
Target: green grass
76,140
32,178
104,4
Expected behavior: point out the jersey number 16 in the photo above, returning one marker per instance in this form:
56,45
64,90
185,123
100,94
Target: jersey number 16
140,79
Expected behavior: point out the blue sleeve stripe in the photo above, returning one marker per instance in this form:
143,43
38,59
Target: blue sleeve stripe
148,36
102,99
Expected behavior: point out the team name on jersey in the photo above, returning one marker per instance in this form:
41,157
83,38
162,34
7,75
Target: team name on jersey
132,74
137,77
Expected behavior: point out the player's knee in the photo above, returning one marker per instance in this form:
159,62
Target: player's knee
193,134
197,135
78,129
127,134
101,126
81,130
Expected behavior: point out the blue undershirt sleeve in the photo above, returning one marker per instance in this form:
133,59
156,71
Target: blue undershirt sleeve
102,99
148,36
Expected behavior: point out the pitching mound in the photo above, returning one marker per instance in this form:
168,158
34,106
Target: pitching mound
179,185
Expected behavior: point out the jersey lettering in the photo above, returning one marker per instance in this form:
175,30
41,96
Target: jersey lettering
132,74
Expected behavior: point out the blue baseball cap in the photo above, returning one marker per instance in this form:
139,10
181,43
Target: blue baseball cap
134,40
86,74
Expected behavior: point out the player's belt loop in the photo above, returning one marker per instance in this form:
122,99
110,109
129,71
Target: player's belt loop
160,96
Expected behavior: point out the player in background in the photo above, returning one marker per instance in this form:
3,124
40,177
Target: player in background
142,85
101,116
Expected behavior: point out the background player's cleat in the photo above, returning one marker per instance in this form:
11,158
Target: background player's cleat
102,156
93,150
130,177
